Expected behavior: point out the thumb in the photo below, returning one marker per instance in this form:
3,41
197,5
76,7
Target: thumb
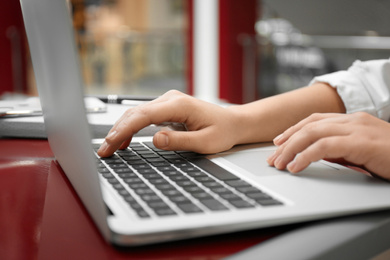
195,141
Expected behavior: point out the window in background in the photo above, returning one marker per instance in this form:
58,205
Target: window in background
302,39
131,47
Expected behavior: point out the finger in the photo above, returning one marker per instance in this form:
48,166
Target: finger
302,139
325,148
137,118
280,139
158,100
103,151
198,141
125,144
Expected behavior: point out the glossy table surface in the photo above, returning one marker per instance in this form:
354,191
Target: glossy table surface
41,217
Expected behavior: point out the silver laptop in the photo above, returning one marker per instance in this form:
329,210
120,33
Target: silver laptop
144,195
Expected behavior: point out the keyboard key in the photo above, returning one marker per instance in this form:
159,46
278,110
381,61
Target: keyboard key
160,164
143,214
221,190
144,191
139,209
162,187
112,159
123,192
137,185
158,204
178,178
189,208
193,189
165,168
134,162
179,199
169,154
269,202
123,170
107,175
197,174
213,204
230,196
159,181
139,149
171,193
213,169
151,176
130,157
129,198
118,166
103,170
150,197
238,183
151,156
187,154
240,203
118,186
259,196
165,212
124,175
202,195
156,160
204,179
145,170
172,173
173,158
212,185
133,180
248,189
186,166
185,183
150,145
113,180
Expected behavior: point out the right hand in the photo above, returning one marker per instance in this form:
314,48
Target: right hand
211,128
358,139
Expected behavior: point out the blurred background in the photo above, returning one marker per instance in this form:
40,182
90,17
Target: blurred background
146,47
132,47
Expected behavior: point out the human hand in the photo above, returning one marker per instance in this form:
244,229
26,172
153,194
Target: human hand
358,138
211,128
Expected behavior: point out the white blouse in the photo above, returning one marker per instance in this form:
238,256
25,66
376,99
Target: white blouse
365,86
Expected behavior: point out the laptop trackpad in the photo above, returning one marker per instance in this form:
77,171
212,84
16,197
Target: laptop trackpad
253,161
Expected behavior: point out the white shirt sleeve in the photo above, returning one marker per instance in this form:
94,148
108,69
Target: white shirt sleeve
365,87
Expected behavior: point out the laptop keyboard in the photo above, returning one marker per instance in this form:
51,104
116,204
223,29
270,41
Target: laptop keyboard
155,182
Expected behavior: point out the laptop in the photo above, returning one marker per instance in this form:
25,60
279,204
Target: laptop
158,196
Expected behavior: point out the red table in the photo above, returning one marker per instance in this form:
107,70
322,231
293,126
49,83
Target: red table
41,216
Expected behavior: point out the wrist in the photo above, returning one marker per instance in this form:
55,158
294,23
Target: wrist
243,128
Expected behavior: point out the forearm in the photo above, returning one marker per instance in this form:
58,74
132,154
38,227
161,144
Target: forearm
212,128
263,120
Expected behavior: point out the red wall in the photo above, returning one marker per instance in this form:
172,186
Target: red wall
235,18
12,48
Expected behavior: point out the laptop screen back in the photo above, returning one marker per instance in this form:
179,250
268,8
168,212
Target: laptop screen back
57,71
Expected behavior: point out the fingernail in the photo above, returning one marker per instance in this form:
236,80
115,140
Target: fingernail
278,138
161,140
103,147
111,134
276,161
271,158
291,166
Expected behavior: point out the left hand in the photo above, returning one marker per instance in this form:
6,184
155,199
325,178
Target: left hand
211,128
359,138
